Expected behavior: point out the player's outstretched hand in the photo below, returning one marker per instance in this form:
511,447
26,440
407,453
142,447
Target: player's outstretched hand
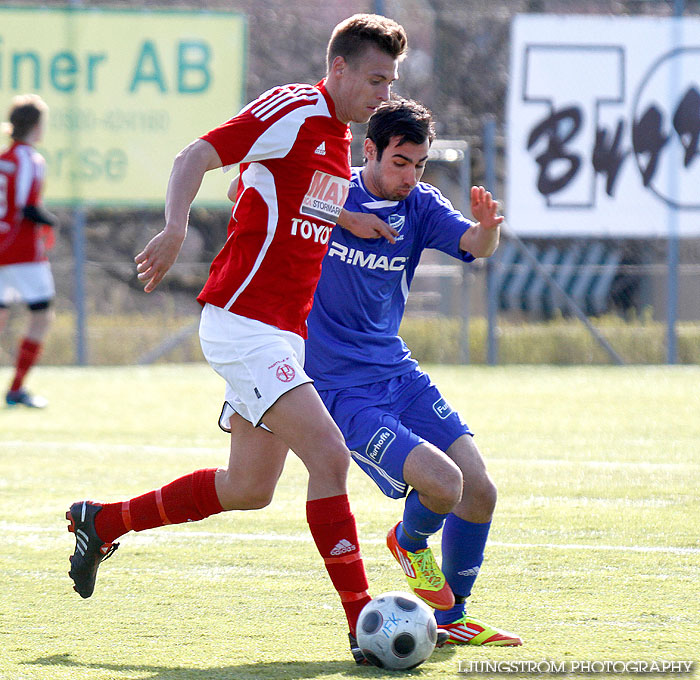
485,208
366,225
160,253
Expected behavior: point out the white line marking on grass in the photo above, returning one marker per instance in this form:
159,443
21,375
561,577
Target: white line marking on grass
17,533
597,547
118,448
640,465
577,501
287,538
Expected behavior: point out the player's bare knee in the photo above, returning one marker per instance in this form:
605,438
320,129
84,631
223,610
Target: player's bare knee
241,494
488,494
435,476
255,500
440,490
449,490
245,499
332,462
40,321
454,487
480,495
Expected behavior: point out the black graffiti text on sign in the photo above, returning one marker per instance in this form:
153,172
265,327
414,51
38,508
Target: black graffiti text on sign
655,128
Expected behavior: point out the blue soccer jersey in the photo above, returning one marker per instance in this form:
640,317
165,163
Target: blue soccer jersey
361,296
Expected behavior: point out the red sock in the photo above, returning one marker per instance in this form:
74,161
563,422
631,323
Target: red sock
332,525
27,356
187,499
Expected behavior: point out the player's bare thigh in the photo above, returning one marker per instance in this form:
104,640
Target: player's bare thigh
300,422
300,419
255,464
40,321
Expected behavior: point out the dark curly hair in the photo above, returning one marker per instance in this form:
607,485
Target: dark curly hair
406,119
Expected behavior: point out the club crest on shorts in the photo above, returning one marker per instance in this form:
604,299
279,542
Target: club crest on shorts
285,373
442,408
379,443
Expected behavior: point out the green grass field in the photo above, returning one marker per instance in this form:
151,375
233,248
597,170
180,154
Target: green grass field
594,552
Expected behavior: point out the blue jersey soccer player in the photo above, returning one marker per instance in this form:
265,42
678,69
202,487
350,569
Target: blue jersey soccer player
399,428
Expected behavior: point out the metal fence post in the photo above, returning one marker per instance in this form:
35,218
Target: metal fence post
673,238
79,221
464,352
79,238
464,183
489,142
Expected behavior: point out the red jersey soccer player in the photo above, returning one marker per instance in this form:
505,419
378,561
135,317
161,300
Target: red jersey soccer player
293,146
25,273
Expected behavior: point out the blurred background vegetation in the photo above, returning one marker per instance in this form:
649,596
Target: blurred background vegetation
458,66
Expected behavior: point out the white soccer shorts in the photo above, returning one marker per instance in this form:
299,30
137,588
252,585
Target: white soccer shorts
259,362
27,282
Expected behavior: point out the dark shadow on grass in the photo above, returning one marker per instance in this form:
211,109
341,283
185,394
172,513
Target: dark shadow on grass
277,670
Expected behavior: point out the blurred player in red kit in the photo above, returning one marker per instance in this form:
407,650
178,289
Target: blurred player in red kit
293,146
25,236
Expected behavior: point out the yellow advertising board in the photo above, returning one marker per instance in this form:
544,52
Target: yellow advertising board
126,90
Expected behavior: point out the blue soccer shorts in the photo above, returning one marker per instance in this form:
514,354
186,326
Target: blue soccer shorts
384,421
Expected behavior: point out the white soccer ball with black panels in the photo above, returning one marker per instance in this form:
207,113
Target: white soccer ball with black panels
397,631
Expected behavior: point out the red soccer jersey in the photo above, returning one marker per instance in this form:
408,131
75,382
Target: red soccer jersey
294,155
21,179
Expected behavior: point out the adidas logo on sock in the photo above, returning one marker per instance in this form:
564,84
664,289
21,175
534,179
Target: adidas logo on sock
473,571
321,149
343,546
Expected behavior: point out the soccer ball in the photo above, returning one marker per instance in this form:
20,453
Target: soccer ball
396,631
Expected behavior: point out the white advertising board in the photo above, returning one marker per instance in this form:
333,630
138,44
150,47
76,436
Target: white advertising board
603,126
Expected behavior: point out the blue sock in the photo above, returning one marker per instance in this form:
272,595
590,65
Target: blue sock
419,523
462,554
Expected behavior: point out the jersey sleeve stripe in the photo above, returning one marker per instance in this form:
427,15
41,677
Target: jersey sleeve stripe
274,93
284,95
255,102
279,138
287,91
263,105
270,108
284,104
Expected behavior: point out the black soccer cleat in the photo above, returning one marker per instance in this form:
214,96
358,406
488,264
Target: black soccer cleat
356,652
362,660
442,638
90,549
22,398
